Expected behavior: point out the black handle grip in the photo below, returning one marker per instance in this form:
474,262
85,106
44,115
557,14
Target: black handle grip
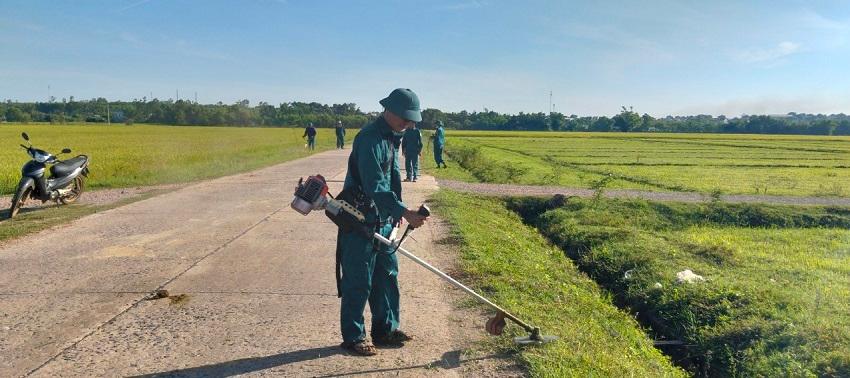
424,211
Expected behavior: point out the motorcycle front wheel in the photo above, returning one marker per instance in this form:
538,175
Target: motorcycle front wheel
18,200
76,188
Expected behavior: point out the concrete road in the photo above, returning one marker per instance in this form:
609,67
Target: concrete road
251,282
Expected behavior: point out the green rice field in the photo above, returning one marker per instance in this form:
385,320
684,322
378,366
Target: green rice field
123,156
706,163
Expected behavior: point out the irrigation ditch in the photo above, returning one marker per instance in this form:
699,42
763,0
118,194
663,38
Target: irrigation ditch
723,328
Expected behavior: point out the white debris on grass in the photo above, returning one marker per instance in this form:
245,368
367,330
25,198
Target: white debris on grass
687,276
658,285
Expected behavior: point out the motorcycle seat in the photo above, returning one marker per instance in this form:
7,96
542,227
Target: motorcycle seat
67,167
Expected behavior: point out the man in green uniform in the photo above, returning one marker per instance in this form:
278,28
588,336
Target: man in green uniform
340,135
369,271
411,148
439,143
310,134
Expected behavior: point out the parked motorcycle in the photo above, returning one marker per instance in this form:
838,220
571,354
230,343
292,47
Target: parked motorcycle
66,183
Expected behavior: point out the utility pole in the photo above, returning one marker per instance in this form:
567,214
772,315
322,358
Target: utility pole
196,97
178,95
48,93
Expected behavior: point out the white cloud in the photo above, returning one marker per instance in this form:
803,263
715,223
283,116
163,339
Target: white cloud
816,20
761,55
470,4
826,104
133,5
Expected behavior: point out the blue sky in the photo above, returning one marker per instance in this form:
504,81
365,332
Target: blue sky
661,57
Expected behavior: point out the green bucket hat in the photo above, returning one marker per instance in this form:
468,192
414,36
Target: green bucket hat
403,103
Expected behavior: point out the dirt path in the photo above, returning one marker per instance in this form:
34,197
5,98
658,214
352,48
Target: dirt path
532,190
251,284
98,197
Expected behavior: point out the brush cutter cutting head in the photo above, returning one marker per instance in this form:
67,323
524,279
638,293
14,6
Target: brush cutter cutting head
496,325
534,338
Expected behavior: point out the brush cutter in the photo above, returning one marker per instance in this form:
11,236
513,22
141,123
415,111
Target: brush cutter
313,195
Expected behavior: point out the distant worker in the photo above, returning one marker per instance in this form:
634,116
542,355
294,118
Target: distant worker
411,148
340,135
310,133
439,143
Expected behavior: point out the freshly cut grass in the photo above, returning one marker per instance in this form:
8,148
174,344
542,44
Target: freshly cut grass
706,163
777,278
514,266
123,156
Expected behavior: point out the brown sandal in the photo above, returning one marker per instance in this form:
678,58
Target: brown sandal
395,338
360,348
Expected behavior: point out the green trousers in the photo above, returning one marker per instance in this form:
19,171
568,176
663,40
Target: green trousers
411,165
438,155
368,276
311,143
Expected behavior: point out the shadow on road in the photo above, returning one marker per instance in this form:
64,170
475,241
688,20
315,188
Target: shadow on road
248,365
449,360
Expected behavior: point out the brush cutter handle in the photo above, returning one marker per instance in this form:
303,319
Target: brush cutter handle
423,211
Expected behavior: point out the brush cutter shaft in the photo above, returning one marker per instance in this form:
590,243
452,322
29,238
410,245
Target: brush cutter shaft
451,280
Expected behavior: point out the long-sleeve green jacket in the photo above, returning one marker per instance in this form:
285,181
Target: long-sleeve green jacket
373,165
411,143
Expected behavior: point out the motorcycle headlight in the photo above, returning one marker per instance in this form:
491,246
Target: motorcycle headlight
41,158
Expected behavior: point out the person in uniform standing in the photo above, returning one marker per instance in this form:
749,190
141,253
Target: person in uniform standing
310,133
340,135
439,143
411,148
367,271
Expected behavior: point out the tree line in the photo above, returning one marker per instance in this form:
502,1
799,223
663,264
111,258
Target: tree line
299,114
183,113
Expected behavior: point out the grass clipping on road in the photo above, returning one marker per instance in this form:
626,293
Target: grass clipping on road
518,269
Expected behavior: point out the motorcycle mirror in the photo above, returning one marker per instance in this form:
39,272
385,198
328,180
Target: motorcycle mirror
25,136
66,150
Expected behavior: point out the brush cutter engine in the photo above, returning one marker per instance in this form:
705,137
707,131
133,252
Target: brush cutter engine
313,195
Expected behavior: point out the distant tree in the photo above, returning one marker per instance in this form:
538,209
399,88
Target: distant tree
557,121
627,120
15,114
843,128
646,123
602,124
822,127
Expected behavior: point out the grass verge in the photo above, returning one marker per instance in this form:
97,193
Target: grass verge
513,265
32,220
776,289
